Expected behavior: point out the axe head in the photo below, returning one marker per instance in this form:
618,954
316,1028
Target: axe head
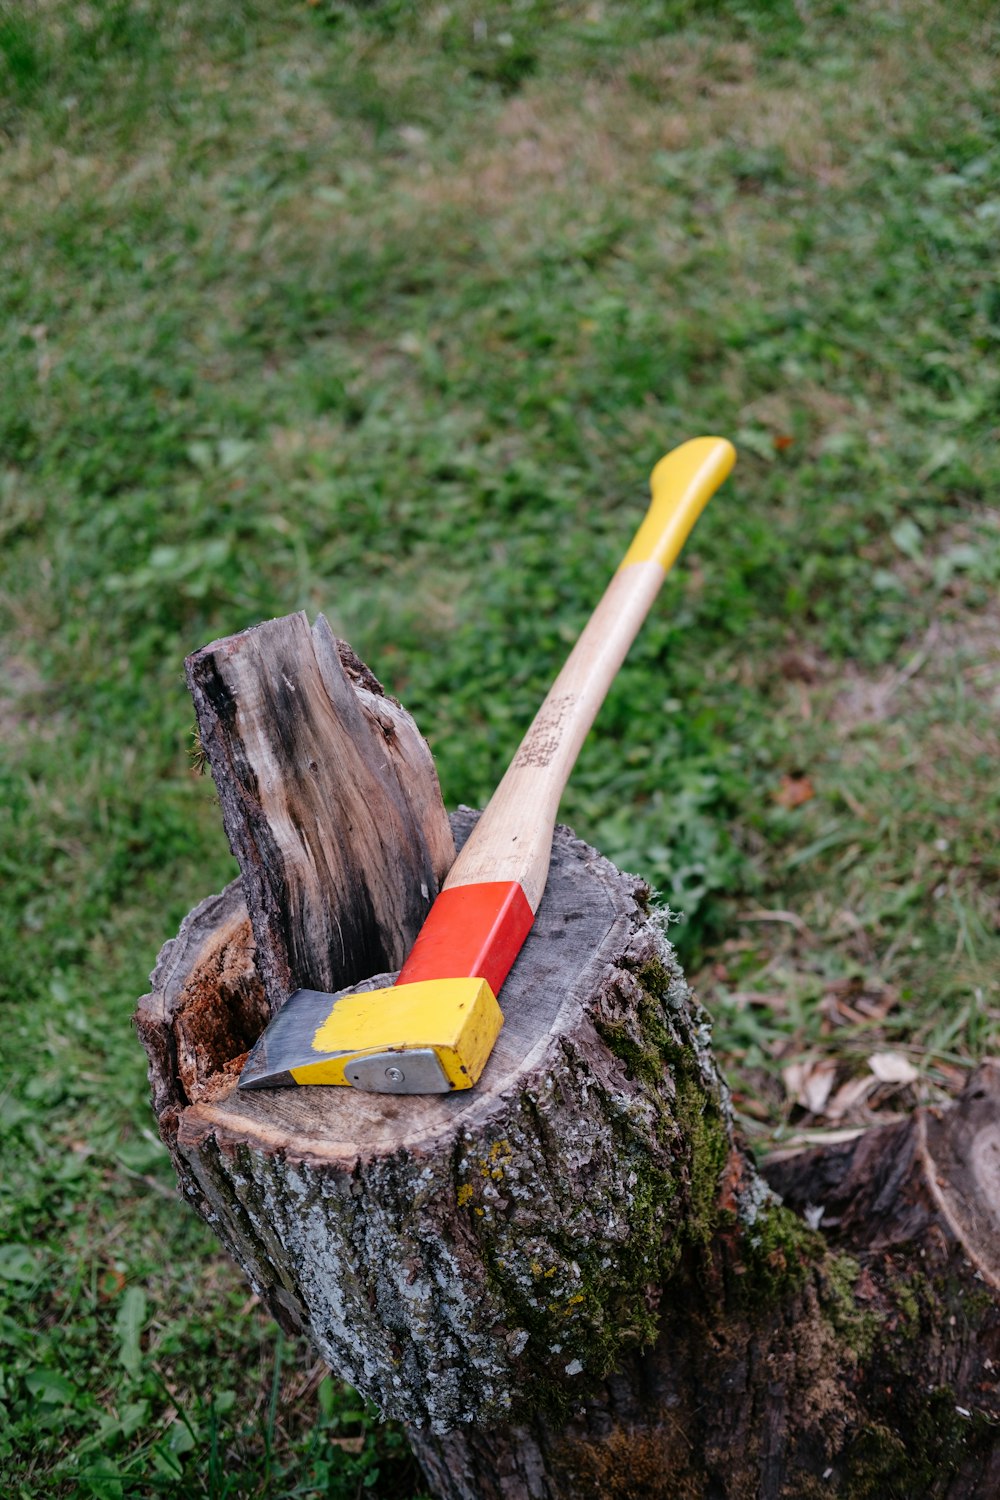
428,1037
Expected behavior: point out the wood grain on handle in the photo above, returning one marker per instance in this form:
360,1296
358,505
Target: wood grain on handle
513,838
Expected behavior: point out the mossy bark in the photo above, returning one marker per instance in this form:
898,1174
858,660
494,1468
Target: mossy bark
788,1364
583,1287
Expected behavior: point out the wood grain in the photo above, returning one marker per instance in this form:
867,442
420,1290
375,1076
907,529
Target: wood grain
329,799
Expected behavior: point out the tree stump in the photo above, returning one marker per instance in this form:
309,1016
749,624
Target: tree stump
571,1281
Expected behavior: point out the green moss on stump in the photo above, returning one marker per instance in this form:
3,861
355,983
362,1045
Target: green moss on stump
931,1436
648,1043
777,1253
858,1328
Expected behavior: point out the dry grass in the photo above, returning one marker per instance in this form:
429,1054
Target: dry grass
907,754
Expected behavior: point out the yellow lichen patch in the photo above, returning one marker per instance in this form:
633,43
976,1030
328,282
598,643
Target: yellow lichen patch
537,1270
464,1194
495,1160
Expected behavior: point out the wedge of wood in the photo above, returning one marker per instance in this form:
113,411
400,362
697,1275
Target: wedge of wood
433,1030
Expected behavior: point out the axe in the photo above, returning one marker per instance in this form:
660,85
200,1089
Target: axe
433,1030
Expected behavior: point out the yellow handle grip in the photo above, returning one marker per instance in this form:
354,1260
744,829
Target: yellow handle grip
682,484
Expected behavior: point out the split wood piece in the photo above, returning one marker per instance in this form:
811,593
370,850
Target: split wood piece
330,802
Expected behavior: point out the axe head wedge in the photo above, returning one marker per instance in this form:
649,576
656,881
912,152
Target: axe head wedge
429,1037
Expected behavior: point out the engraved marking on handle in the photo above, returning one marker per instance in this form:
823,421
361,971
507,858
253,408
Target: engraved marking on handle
545,735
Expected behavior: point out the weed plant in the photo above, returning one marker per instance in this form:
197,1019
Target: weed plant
387,310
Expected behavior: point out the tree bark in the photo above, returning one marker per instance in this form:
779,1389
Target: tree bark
860,1360
572,1281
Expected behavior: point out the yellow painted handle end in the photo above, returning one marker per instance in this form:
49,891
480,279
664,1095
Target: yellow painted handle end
682,484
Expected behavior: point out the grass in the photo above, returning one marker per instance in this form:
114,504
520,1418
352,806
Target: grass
387,310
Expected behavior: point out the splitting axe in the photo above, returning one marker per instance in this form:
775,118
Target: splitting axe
433,1030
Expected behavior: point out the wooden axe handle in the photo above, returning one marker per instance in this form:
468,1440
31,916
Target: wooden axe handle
513,838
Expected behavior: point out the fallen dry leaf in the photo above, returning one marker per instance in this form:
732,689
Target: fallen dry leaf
892,1067
802,1140
349,1444
793,791
849,1096
856,1001
809,1083
954,1077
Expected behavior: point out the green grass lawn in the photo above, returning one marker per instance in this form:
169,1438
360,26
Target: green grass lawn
387,309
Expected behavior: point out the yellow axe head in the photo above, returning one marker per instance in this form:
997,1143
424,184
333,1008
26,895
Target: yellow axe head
424,1038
